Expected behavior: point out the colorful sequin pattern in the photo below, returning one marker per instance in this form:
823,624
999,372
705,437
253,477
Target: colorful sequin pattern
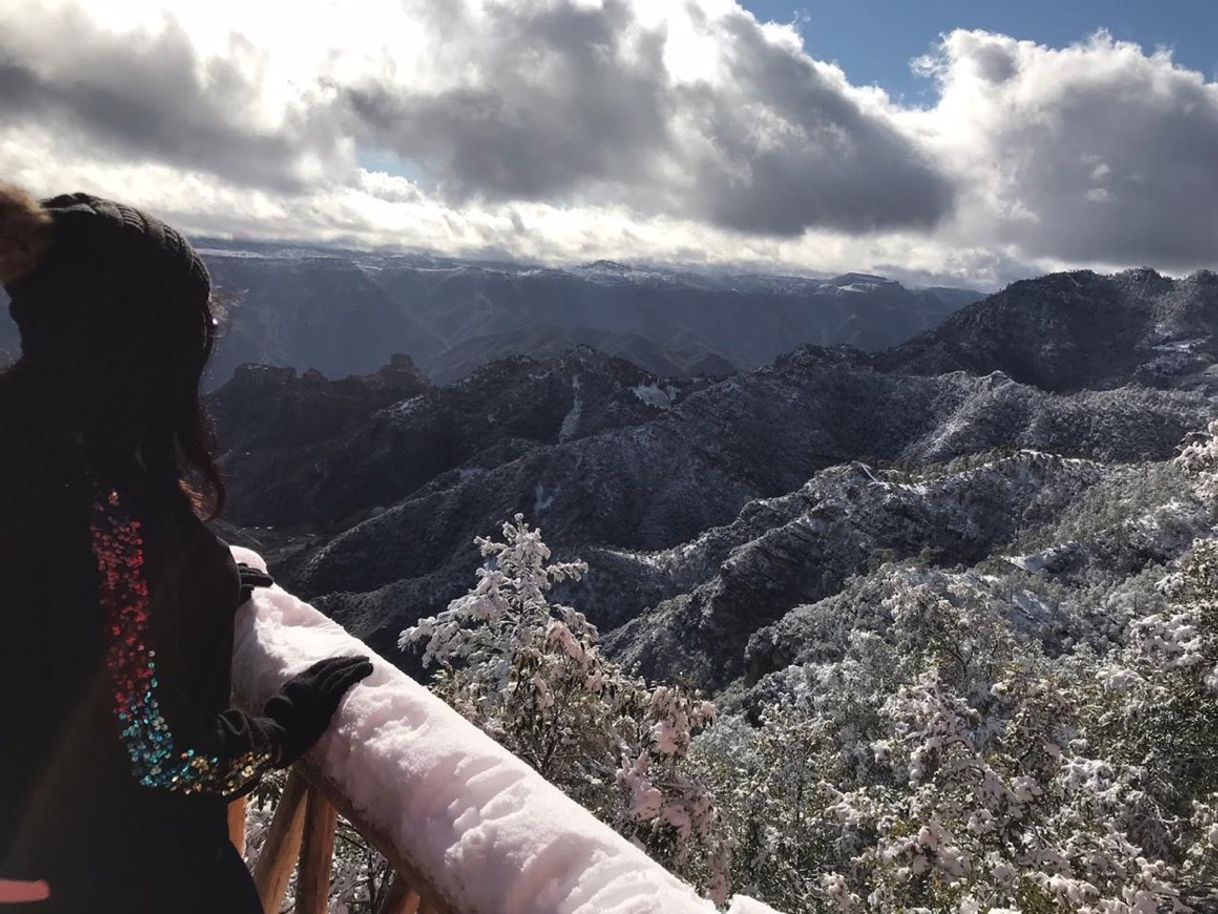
119,548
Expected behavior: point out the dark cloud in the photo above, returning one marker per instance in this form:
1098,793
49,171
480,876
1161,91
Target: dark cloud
149,97
995,63
560,108
1127,177
579,106
836,166
568,106
1094,153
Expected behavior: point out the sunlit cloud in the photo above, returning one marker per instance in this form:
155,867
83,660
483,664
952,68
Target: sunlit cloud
562,130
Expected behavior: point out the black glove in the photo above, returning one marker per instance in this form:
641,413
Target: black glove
251,578
303,707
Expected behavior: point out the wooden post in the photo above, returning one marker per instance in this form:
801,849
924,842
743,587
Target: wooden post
236,824
278,857
317,849
419,880
401,899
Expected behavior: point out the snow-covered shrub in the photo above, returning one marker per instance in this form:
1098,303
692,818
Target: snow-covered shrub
774,787
1200,456
943,762
530,674
939,752
1005,739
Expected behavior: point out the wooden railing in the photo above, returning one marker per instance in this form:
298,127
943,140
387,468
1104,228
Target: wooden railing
467,827
301,838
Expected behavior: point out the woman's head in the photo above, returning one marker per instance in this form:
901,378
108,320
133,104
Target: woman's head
114,309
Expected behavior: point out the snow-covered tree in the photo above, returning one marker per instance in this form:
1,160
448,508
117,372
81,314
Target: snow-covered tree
530,674
942,754
943,765
986,740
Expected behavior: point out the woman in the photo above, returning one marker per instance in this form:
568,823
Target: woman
118,749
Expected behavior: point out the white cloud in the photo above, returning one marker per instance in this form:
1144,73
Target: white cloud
1040,135
576,129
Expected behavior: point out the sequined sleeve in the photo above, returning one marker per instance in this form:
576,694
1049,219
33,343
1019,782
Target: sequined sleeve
224,753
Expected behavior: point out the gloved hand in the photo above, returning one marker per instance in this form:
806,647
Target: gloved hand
303,707
250,578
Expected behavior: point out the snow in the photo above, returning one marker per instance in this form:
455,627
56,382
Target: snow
653,395
236,255
275,254
405,407
541,500
570,422
491,833
1180,345
1033,608
1031,563
742,904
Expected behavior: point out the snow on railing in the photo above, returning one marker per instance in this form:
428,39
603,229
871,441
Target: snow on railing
469,827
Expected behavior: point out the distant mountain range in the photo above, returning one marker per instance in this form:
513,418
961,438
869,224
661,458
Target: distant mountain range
347,312
722,517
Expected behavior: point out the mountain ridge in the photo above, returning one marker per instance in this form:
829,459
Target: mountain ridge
451,315
673,490
1067,331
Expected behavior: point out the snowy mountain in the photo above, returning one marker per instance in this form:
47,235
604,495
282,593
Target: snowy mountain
377,443
785,580
346,312
959,582
719,516
1077,330
540,340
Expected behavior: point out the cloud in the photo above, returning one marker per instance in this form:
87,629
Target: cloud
587,103
799,147
562,102
573,129
152,96
1097,152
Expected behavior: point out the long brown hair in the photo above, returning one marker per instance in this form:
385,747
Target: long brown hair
184,449
44,413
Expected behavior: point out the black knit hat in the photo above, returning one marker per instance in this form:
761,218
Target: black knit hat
116,328
110,275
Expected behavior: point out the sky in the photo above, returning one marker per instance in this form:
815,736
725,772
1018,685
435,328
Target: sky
874,40
961,142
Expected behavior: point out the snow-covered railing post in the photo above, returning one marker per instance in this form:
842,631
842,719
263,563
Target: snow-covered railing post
468,827
316,853
282,846
301,837
236,824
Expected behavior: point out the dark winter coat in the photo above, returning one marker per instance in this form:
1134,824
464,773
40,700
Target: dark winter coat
118,748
